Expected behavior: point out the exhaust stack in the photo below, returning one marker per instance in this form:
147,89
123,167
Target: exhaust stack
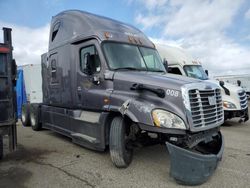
7,36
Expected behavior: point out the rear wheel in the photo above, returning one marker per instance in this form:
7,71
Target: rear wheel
34,117
1,146
121,151
25,115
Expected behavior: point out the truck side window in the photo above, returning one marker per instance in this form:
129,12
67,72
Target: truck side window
94,64
151,59
174,70
55,31
53,71
150,62
3,67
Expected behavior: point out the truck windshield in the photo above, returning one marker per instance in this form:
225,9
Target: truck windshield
195,71
131,57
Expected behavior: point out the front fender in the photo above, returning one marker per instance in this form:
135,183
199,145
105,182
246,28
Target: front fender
139,111
138,106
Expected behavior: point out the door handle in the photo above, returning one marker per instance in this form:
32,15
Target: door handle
79,88
79,92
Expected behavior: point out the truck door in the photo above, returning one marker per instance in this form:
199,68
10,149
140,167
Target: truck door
91,86
54,80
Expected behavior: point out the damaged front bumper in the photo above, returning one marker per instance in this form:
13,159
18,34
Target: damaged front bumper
243,114
192,167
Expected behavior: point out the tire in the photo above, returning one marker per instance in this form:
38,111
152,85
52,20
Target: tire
35,117
1,146
248,95
120,155
25,117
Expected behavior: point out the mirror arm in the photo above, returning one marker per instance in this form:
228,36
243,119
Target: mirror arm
96,79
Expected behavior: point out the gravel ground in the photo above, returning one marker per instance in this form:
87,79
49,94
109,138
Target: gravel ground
46,159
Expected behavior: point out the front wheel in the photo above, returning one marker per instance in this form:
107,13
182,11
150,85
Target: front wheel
121,151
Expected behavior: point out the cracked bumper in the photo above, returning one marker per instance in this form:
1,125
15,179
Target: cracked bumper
192,168
237,113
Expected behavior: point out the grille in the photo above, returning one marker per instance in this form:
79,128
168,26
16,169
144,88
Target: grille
243,99
206,107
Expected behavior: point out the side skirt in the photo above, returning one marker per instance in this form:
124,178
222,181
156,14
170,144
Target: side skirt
86,128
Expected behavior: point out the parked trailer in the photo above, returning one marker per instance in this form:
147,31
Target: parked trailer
32,77
238,80
104,85
234,98
20,92
7,92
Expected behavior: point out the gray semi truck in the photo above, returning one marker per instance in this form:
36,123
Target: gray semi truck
104,86
7,93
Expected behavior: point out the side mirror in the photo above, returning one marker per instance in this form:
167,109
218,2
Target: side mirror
165,63
206,71
87,67
221,83
239,83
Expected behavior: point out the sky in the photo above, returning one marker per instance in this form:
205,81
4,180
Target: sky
215,32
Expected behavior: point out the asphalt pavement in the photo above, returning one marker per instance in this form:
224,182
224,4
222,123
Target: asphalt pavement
46,159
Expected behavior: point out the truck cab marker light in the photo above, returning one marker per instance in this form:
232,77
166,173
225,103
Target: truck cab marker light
4,50
107,35
130,39
135,41
106,101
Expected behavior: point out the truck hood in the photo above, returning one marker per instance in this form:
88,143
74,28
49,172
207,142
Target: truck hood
155,79
139,103
231,87
233,97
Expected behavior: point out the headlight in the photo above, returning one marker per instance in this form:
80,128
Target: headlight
229,105
167,119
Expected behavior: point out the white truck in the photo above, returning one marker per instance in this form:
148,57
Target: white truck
33,88
238,80
178,61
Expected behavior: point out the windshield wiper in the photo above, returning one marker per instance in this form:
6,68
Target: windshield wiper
137,69
140,87
128,68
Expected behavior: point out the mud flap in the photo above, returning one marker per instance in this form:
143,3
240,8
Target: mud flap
190,168
246,117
